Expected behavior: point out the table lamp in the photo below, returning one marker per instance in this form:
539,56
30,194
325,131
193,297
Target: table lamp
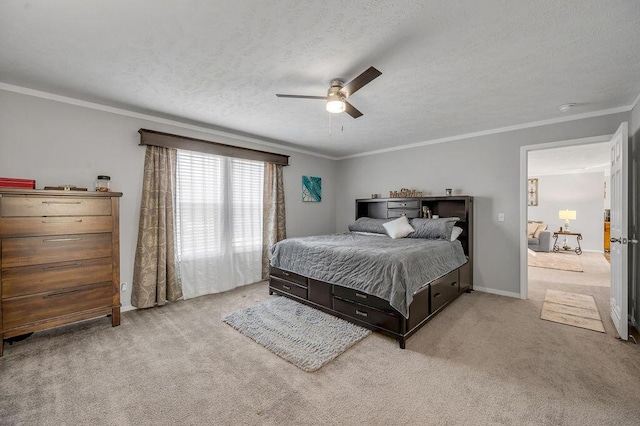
567,215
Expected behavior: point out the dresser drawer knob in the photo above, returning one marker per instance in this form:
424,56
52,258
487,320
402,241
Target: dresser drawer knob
361,313
286,287
62,202
55,268
455,283
62,221
286,274
436,295
62,293
361,296
59,240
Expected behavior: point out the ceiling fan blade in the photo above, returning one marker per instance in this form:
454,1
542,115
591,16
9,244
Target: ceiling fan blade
351,110
357,83
300,96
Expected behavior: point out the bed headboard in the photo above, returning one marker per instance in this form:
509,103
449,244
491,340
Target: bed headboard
454,206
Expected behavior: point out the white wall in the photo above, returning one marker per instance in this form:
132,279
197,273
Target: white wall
582,192
57,143
485,167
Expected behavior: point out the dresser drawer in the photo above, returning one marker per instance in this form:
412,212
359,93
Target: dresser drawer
26,226
28,309
410,213
361,298
444,290
54,276
369,315
412,204
288,287
59,248
289,276
11,206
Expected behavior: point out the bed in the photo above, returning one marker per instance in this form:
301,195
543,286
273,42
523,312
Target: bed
390,285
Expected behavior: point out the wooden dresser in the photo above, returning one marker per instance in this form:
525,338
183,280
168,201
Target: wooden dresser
59,258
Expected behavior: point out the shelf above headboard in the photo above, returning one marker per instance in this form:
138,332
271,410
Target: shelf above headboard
454,206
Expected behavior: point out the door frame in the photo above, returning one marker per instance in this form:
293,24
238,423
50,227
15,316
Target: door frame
524,166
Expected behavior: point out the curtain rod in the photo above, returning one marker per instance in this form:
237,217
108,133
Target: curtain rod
168,140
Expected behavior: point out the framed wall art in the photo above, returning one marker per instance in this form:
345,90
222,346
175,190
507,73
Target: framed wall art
311,189
532,192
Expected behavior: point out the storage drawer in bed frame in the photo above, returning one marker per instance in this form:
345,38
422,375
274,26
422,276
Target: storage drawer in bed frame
367,310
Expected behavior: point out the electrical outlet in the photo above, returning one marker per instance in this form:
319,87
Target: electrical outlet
500,217
123,287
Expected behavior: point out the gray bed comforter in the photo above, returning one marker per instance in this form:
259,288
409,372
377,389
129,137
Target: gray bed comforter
392,269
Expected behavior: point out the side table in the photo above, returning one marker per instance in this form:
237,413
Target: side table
578,236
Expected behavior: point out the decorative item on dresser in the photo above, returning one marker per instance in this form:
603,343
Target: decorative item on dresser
373,312
59,258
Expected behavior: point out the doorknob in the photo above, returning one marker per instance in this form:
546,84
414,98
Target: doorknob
615,240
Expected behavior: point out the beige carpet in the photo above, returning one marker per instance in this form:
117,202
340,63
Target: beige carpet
578,310
563,261
486,359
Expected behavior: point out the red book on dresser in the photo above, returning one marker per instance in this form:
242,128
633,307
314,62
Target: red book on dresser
17,183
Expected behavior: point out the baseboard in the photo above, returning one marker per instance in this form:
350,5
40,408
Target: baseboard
127,308
593,251
498,292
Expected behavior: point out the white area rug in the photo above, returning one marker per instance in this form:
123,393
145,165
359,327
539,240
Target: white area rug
562,261
578,310
304,336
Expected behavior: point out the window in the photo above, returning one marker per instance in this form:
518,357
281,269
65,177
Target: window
219,222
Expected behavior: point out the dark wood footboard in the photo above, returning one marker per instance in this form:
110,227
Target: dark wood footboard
367,310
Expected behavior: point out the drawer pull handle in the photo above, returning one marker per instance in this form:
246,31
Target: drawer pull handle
62,293
361,313
436,295
286,287
55,268
62,202
58,240
63,221
286,274
455,283
361,296
404,204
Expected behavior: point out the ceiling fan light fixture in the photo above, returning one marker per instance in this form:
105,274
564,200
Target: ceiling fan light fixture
336,106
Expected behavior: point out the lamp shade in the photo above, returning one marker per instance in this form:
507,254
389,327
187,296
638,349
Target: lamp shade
567,214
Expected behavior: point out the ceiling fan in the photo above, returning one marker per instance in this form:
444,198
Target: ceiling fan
339,92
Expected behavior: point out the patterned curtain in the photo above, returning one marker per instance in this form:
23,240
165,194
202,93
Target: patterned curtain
274,224
154,272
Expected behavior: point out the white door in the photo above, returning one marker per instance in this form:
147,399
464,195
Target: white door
619,231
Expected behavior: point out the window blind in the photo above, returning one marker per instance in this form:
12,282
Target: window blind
219,221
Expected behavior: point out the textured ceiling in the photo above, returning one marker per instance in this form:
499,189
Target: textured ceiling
449,67
571,159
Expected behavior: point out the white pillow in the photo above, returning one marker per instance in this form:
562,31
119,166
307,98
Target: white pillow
398,228
455,232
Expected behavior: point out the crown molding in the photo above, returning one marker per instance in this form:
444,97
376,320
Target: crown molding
496,131
228,134
155,119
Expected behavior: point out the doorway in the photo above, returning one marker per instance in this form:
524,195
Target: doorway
556,194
